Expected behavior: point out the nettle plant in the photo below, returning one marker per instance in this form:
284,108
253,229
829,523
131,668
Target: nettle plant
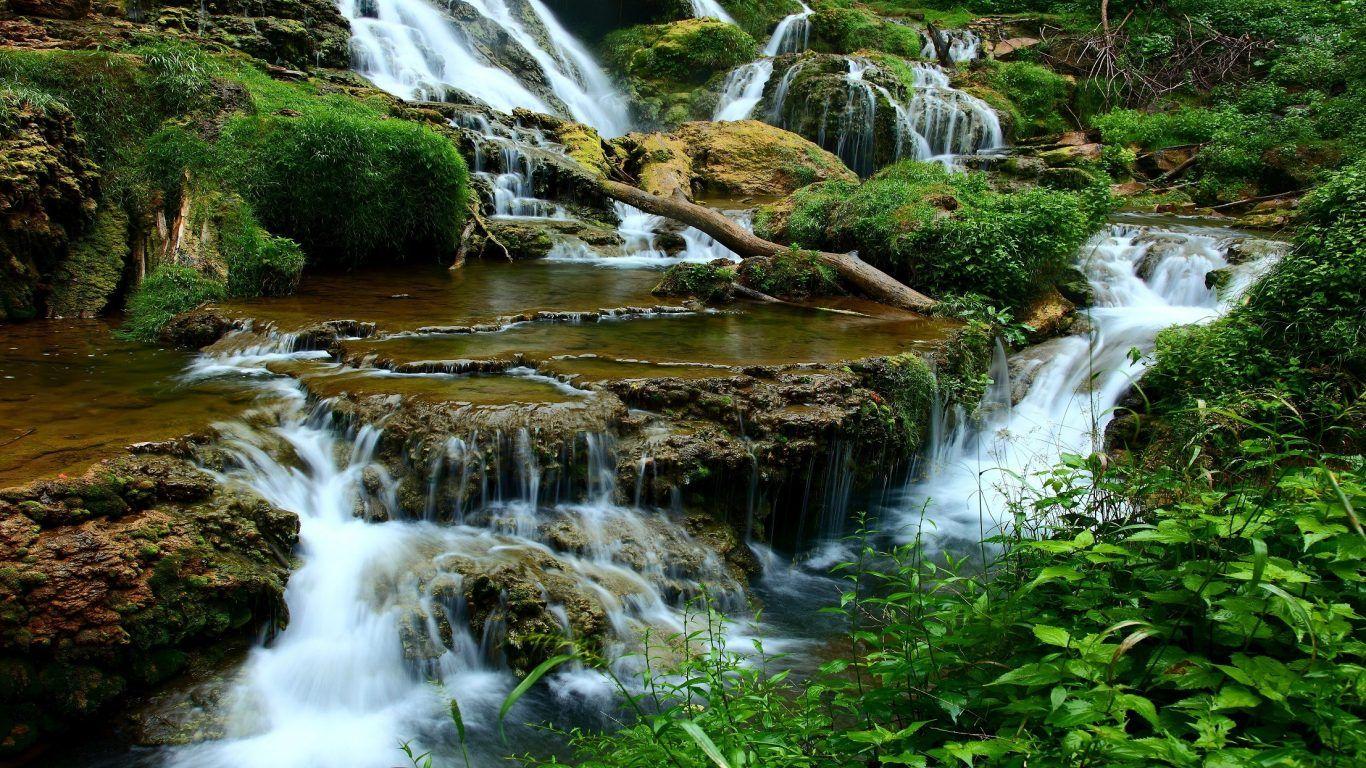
1129,617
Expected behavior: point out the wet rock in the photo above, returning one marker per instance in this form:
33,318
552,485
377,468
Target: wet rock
535,239
54,9
47,192
1008,49
1072,155
111,580
1048,315
748,157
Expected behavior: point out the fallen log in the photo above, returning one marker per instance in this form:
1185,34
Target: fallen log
870,280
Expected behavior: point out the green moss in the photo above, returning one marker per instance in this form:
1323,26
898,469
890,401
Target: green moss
1037,96
951,233
792,274
708,283
689,51
758,17
165,293
89,277
841,26
896,415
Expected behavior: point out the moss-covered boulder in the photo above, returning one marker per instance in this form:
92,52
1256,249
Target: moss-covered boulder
299,34
736,158
48,185
111,580
711,283
664,65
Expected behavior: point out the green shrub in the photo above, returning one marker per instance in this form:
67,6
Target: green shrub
349,187
166,292
1297,336
684,52
758,17
708,283
1155,130
1037,94
949,233
259,263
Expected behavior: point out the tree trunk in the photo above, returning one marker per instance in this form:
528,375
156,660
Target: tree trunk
941,45
873,282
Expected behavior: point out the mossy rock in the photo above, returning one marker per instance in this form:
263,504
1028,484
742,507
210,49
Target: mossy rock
89,277
792,274
711,283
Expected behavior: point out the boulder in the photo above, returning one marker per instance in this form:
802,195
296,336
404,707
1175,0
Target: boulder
53,9
111,580
739,158
1007,49
1072,154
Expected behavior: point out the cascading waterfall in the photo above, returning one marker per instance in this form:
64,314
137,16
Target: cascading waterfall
702,9
380,634
415,51
512,175
1144,281
964,45
935,121
745,85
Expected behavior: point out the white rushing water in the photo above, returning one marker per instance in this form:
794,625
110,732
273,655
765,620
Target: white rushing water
934,121
1144,281
379,637
414,50
702,9
964,46
744,87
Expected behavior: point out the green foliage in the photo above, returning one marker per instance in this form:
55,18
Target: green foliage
951,233
688,51
1155,130
181,72
1217,627
349,188
259,263
708,283
1297,336
166,292
842,26
792,274
1037,95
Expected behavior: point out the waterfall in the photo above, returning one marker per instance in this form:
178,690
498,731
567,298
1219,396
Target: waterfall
380,635
1144,281
935,121
744,87
964,45
702,9
415,51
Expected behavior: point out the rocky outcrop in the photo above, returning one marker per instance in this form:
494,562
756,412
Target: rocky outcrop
735,158
47,197
53,9
111,581
299,34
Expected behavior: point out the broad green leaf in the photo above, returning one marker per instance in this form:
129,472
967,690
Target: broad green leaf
524,686
1052,635
704,741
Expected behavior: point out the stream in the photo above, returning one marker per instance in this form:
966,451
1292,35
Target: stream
379,639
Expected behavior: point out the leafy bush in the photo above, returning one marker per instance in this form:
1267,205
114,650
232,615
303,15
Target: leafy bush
1037,95
950,233
708,283
1297,337
1155,130
166,292
349,187
259,263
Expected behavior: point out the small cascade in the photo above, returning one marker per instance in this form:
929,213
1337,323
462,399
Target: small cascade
931,121
1144,281
639,232
744,87
702,9
511,172
391,617
964,46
